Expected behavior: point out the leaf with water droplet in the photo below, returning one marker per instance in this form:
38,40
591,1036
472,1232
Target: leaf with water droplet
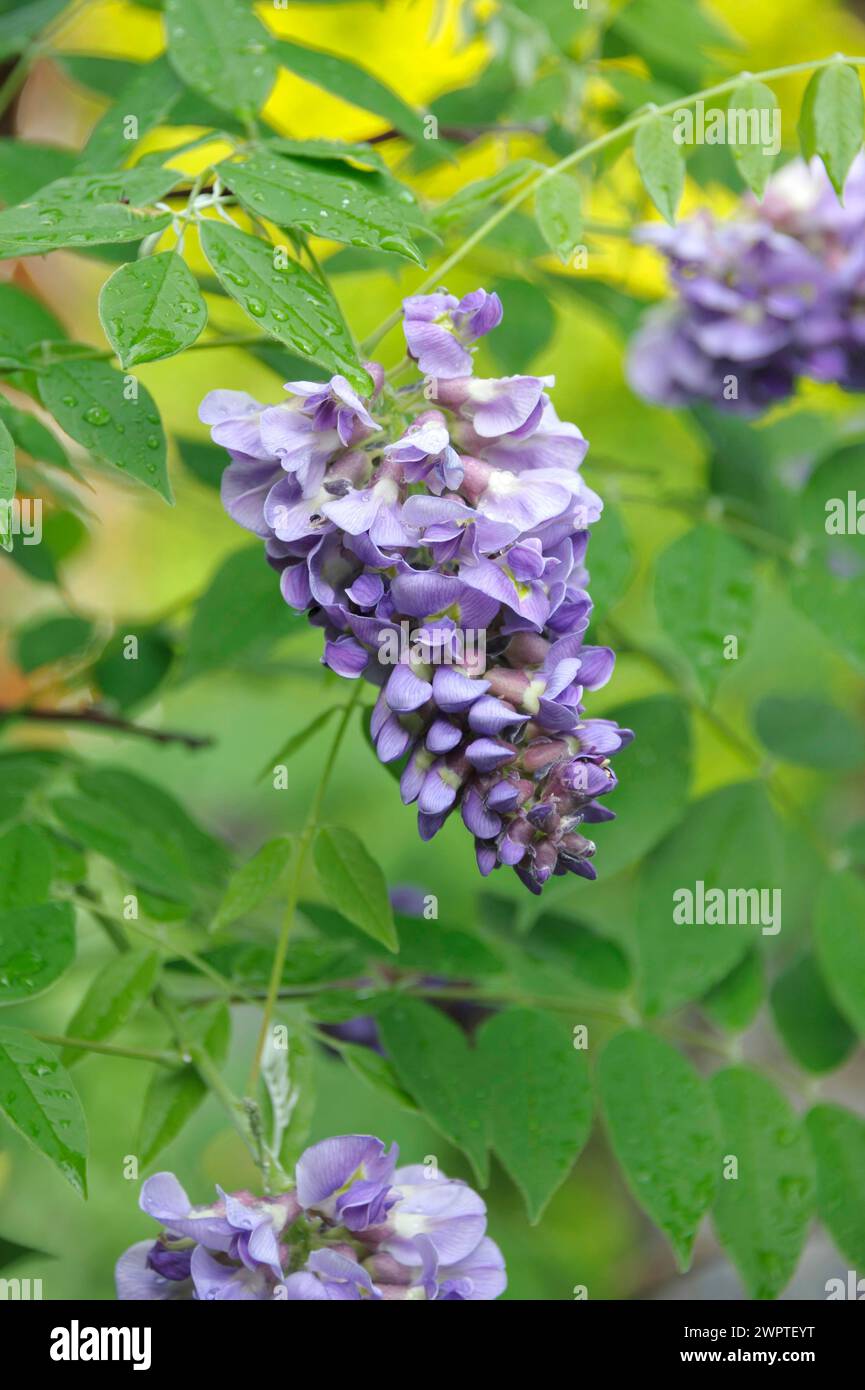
360,209
115,994
148,96
312,323
87,210
761,1215
123,439
838,1140
36,945
539,1100
152,309
663,1131
26,863
38,1099
438,1068
173,1096
221,51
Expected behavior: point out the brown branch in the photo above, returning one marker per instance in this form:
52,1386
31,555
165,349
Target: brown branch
97,718
465,134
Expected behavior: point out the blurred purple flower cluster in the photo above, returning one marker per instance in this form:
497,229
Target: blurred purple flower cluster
771,295
355,1226
436,532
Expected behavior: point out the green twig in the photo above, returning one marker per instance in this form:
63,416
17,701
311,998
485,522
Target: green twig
584,152
300,857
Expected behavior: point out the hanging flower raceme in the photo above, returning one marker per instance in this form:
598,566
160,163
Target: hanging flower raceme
437,533
774,294
354,1227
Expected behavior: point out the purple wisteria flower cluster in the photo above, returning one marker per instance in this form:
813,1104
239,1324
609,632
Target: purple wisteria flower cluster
771,295
436,532
355,1226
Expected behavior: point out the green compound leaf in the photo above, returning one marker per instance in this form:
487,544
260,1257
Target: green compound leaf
152,309
663,1131
540,1100
38,1099
92,403
766,1200
283,298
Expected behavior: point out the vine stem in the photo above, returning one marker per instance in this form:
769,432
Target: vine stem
139,1054
585,152
300,858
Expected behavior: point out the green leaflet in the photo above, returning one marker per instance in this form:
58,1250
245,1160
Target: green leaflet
765,1201
283,299
220,49
728,840
660,162
116,993
93,403
663,1131
37,944
436,1066
358,209
838,1141
173,1096
38,1099
354,884
831,120
152,309
87,210
704,592
352,83
539,1099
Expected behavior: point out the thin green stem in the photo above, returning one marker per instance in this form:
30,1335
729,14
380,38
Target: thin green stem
300,858
584,152
138,1054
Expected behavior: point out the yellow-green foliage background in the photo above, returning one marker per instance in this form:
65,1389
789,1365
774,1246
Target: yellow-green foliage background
144,559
